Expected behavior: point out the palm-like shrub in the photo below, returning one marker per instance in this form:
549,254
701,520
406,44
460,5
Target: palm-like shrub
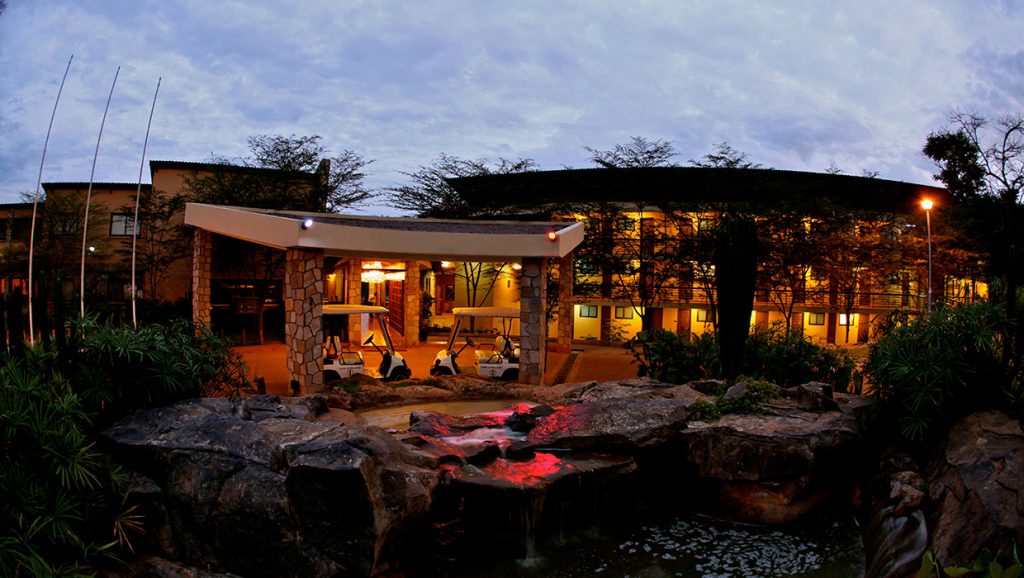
54,487
672,358
930,371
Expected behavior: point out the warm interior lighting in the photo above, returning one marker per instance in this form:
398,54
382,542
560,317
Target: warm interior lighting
516,266
372,277
372,265
927,204
331,276
446,264
843,319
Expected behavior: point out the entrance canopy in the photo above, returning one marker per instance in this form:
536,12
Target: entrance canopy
399,238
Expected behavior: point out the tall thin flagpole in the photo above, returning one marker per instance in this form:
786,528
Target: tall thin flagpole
35,204
88,197
138,194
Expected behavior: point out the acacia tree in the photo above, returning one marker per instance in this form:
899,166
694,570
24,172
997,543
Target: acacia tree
430,195
790,246
161,238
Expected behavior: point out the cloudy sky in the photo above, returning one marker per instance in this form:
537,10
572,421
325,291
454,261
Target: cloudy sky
795,85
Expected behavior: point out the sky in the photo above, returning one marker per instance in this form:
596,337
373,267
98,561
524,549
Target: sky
797,85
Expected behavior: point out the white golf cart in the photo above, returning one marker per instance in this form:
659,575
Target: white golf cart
498,360
341,362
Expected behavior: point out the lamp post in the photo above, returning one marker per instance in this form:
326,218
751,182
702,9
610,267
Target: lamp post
927,205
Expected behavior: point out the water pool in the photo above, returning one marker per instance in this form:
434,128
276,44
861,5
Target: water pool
397,417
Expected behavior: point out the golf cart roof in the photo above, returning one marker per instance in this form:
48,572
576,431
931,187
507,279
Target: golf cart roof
512,312
352,309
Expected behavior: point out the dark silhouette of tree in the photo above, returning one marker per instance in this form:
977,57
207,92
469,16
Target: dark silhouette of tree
430,195
638,152
735,259
725,157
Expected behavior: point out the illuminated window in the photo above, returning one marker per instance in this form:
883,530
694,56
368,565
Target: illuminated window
843,319
815,318
702,316
588,311
623,312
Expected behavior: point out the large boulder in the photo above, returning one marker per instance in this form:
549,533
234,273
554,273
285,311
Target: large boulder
977,488
774,468
259,492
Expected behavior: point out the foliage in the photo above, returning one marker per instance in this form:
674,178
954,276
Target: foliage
161,240
672,358
930,371
752,401
787,359
430,195
986,565
725,157
118,369
704,410
637,153
60,497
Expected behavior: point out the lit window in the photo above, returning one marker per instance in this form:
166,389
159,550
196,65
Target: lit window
623,312
843,319
588,311
702,316
121,225
815,318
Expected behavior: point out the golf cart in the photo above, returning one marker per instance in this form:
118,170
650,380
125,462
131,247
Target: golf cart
499,360
341,362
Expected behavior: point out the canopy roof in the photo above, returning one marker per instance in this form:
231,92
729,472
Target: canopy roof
486,312
389,237
352,309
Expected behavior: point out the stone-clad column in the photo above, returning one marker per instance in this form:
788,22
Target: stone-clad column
353,296
412,295
565,305
202,259
303,328
532,321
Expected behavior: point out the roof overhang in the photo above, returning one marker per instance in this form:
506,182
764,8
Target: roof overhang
389,237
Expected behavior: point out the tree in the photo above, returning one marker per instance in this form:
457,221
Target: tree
725,157
302,177
430,195
975,165
638,152
789,249
735,259
161,239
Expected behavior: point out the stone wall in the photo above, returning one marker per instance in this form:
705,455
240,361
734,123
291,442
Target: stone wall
303,327
532,321
202,259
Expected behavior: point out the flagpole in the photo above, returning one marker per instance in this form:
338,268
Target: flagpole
35,204
138,194
88,197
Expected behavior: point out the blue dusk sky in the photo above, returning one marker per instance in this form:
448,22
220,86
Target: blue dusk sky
801,85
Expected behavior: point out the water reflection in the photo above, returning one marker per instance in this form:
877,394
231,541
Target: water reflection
397,417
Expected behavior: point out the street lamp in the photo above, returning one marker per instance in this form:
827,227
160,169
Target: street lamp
927,205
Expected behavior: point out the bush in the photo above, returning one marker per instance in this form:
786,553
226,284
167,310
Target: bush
786,359
60,497
118,369
929,372
672,358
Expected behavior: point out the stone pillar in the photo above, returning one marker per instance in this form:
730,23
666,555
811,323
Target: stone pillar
565,305
353,295
532,321
303,328
412,295
202,260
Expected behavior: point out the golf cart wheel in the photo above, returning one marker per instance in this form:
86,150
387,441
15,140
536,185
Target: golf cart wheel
510,375
401,373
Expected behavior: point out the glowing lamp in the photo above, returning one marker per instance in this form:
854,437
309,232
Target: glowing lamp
306,224
552,236
927,204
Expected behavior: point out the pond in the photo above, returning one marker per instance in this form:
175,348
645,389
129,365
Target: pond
397,417
693,546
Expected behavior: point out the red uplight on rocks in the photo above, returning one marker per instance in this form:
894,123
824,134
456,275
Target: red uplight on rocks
552,236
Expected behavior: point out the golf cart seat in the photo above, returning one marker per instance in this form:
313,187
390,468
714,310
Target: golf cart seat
351,357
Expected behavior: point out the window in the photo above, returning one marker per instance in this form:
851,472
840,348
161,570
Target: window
121,224
588,311
844,319
815,318
702,316
626,224
623,312
586,267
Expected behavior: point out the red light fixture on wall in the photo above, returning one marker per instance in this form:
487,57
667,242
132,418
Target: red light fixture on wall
552,236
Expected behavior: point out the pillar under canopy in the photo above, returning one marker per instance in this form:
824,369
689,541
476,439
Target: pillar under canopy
202,265
532,321
303,327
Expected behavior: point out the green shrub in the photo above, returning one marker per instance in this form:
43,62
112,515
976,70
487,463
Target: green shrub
985,565
117,369
757,394
671,357
786,359
60,497
929,372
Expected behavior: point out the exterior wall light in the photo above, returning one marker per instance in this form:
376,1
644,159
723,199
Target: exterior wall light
552,236
306,224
